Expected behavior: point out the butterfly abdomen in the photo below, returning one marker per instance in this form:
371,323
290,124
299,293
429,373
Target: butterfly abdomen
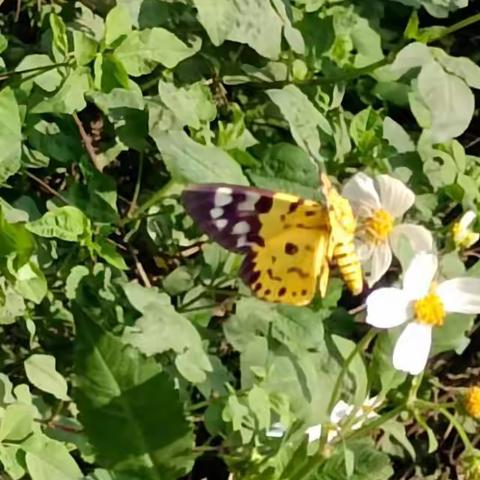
348,263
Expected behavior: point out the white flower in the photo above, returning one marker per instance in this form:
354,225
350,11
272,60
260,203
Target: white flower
462,234
422,304
340,412
377,204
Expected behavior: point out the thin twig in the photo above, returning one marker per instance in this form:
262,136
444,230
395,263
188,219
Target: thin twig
47,187
17,10
133,203
140,270
87,143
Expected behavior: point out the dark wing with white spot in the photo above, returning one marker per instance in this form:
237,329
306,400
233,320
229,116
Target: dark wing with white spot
228,213
285,238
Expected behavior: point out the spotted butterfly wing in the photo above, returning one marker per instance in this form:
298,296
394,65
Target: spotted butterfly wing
285,238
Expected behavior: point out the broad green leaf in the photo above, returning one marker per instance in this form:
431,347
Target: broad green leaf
286,168
117,24
162,329
109,73
30,282
453,334
122,395
85,47
12,305
108,252
449,100
48,459
140,297
304,118
141,51
292,34
178,281
370,464
381,368
462,67
41,372
49,80
414,55
366,129
193,105
396,136
259,403
367,42
66,223
10,134
17,422
70,97
190,162
254,22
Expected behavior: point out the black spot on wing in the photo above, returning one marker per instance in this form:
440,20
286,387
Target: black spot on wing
291,248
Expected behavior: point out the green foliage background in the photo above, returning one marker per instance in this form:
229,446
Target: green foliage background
129,348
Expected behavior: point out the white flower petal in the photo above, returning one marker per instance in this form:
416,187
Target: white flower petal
387,308
419,237
461,295
314,433
395,196
419,275
467,219
360,191
364,250
277,430
380,262
413,346
340,411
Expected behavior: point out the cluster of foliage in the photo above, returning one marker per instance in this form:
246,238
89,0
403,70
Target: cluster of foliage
130,349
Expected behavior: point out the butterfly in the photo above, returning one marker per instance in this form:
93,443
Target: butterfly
289,242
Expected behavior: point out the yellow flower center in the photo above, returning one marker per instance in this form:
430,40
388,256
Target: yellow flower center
463,237
429,310
472,402
379,225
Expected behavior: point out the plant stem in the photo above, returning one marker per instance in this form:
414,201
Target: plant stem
13,73
466,22
361,345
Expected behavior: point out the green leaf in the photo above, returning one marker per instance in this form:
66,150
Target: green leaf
17,422
67,223
109,73
462,67
141,51
178,281
193,106
84,47
59,33
381,368
254,22
449,100
122,395
117,24
366,129
356,371
367,42
108,252
73,280
49,80
370,464
41,372
12,304
304,118
70,97
286,168
396,136
48,459
10,135
162,329
190,162
30,282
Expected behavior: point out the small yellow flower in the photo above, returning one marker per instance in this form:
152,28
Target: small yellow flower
472,402
462,234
